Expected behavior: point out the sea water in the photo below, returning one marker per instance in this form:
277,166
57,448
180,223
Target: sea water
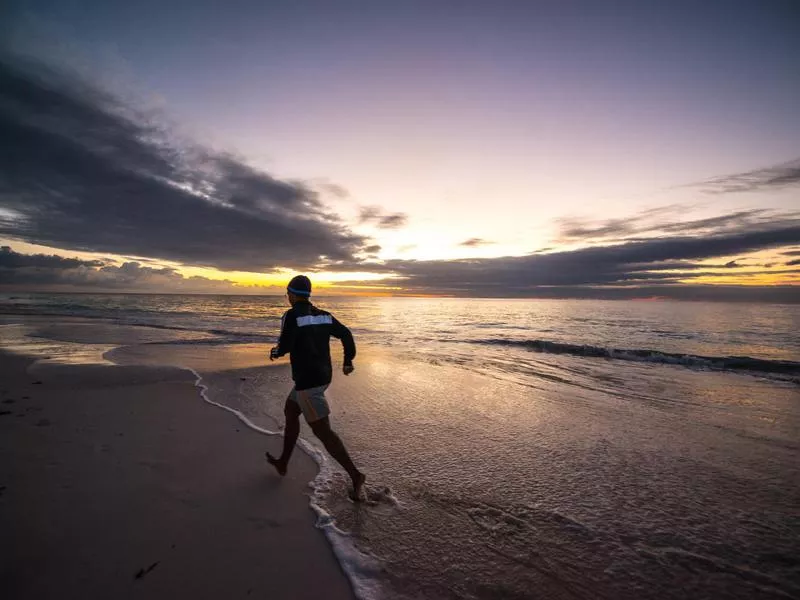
514,448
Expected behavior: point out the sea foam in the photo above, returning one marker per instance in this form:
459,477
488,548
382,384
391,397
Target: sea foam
361,569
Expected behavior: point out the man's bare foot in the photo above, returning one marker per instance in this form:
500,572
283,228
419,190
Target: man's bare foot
280,467
358,487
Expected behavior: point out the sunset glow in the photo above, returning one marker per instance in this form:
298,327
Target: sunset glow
506,152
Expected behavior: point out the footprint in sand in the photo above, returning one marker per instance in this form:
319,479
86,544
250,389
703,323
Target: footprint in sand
376,496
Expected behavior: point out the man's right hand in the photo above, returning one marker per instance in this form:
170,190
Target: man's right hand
273,354
347,369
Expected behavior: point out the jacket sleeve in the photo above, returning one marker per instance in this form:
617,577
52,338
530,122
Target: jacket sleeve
288,330
343,333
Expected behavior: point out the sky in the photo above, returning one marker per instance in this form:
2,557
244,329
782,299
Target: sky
524,149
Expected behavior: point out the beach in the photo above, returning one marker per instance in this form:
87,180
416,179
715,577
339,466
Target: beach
121,482
400,300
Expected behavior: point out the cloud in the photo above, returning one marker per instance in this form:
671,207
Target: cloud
793,262
778,176
335,190
373,249
14,260
628,264
791,253
42,271
475,242
573,229
754,219
580,230
380,218
79,170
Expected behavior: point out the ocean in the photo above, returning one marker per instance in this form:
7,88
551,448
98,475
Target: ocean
513,448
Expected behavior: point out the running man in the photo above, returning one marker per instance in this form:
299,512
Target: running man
305,335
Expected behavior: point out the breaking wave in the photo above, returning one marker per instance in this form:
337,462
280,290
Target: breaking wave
785,368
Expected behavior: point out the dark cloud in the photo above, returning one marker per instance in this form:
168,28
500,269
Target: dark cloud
779,176
41,271
13,260
475,242
626,264
681,265
572,229
791,253
750,219
80,171
793,262
641,224
380,218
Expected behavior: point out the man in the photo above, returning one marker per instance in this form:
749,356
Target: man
305,335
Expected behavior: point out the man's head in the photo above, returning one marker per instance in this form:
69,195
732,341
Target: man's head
299,289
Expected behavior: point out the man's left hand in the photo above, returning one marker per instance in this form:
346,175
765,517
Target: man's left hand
347,369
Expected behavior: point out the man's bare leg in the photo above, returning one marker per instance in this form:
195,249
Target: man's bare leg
290,433
335,447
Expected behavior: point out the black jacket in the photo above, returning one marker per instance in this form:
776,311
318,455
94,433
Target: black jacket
305,335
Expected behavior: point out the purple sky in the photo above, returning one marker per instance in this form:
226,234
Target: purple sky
494,120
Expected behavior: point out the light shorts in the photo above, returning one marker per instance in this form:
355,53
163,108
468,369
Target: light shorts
312,402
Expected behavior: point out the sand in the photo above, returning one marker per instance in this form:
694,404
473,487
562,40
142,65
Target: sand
121,482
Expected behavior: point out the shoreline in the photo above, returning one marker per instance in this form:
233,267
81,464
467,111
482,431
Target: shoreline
518,481
119,479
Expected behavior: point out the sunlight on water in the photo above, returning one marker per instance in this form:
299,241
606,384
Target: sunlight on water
19,339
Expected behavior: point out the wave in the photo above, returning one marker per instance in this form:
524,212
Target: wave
224,336
71,309
721,363
138,318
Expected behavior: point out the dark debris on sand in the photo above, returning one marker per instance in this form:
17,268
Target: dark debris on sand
142,572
